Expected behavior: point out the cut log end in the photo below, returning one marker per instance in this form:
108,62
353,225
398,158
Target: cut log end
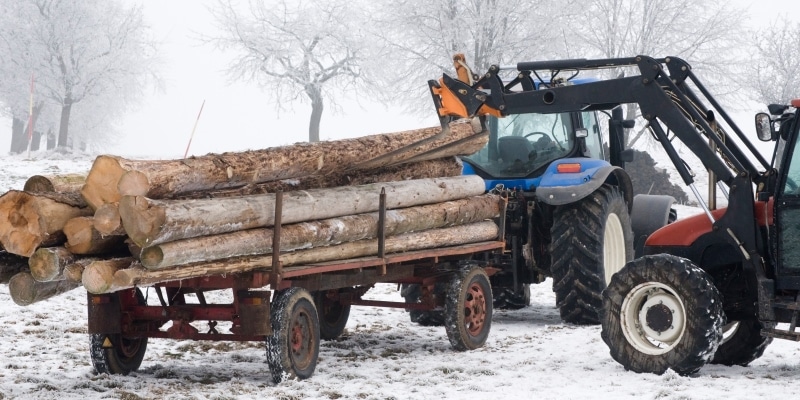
133,183
25,290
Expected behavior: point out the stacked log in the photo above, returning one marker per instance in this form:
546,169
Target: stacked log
141,222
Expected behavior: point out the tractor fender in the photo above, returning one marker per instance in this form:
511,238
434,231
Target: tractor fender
649,214
559,188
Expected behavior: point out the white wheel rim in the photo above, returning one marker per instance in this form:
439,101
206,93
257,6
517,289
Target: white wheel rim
728,330
614,257
663,308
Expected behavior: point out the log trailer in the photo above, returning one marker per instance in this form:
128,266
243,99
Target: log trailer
572,214
305,303
712,287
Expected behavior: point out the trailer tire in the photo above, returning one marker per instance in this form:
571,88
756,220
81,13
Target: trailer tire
662,312
116,354
412,294
592,240
293,347
506,298
744,345
468,308
333,315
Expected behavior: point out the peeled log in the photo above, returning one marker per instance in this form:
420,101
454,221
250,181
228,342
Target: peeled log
159,178
98,275
137,275
28,221
321,233
11,265
55,183
150,222
25,290
83,238
47,263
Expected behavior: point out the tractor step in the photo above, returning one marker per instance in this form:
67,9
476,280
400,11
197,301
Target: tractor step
781,334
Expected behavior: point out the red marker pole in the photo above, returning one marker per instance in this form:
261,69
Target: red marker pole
186,153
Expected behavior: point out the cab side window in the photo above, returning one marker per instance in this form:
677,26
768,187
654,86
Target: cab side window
594,142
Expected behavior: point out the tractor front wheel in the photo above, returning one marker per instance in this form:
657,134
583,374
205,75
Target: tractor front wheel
662,312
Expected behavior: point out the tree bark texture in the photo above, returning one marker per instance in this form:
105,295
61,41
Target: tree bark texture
55,183
150,222
138,275
158,178
83,238
28,221
25,290
321,233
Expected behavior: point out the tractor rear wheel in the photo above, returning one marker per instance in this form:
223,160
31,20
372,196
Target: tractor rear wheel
592,240
662,312
742,343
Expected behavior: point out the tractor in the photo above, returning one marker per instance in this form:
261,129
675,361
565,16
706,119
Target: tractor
570,202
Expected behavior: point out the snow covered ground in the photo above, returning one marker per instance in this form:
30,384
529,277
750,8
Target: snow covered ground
529,354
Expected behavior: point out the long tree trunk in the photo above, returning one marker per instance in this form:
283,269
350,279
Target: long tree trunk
321,233
25,290
55,183
48,263
136,275
149,222
28,221
83,238
63,127
111,177
315,94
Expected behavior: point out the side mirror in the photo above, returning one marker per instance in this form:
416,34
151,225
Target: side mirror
628,123
627,155
764,128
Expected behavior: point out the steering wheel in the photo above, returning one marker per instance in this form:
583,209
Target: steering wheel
537,134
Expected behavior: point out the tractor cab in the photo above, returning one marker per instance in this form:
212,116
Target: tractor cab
522,146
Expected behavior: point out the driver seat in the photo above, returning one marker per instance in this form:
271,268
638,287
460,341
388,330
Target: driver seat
513,148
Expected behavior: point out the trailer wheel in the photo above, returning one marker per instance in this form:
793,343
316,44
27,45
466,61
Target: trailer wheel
662,312
468,309
293,347
506,298
592,240
117,354
412,293
333,315
742,343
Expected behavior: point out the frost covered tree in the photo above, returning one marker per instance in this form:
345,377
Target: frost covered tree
77,52
419,38
702,33
775,73
295,49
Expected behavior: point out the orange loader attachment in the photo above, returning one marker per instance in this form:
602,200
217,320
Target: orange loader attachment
460,97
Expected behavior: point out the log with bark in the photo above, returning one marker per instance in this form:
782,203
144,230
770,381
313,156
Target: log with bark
98,276
47,263
25,290
111,177
108,222
137,275
83,238
149,222
321,233
55,183
29,221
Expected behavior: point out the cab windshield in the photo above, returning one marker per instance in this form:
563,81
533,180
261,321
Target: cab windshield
521,144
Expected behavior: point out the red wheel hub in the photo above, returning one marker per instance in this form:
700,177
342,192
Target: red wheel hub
475,309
